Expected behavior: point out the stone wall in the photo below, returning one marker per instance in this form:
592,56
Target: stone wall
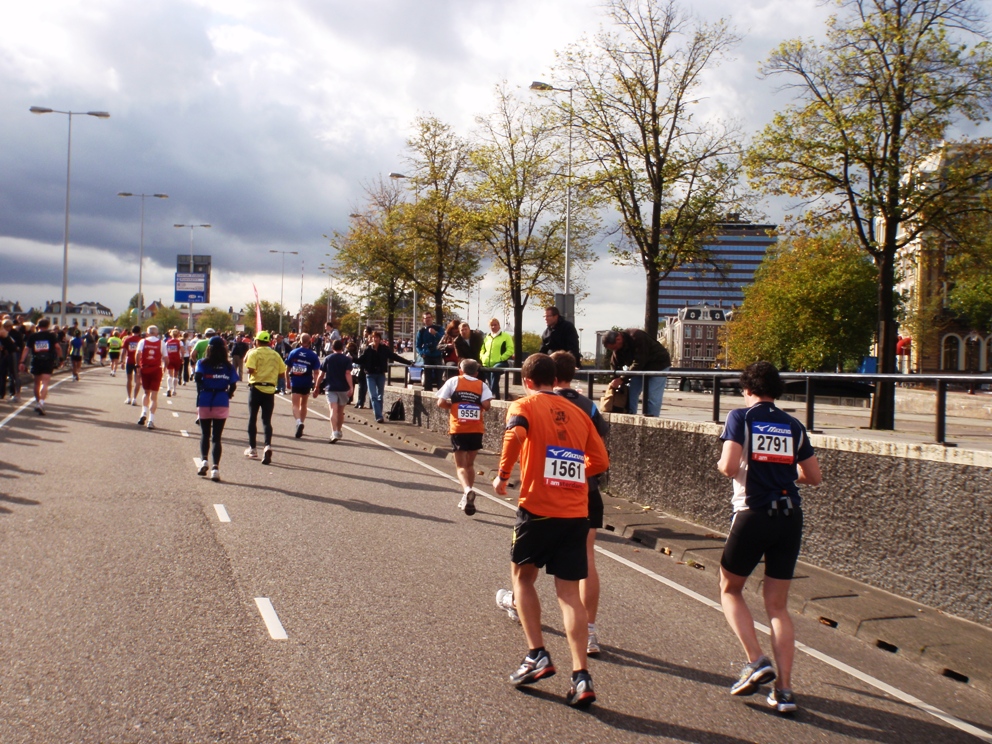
915,520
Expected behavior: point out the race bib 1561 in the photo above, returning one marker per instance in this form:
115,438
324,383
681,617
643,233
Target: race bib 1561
564,468
771,443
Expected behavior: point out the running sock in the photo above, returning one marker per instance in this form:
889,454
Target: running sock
535,652
151,417
592,627
579,673
144,410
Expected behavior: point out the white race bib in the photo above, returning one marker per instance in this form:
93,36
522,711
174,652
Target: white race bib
564,468
299,369
469,412
771,443
40,347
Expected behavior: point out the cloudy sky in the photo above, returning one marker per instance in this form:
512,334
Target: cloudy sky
265,118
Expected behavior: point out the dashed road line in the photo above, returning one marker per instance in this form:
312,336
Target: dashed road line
175,415
184,432
271,619
222,514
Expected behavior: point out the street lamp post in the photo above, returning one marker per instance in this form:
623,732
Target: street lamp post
68,172
327,270
190,226
547,87
283,282
413,323
141,244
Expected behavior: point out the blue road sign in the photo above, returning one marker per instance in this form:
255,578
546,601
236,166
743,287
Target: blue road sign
191,287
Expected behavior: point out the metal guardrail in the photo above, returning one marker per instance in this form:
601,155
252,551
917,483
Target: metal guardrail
810,378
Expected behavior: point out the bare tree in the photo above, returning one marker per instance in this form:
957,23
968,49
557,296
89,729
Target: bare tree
671,179
519,194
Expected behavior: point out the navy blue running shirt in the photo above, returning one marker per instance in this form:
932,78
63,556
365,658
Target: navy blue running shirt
773,442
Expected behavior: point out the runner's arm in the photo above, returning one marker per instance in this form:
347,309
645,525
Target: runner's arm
809,471
730,458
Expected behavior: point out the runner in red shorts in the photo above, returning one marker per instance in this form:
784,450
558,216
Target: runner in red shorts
173,361
148,358
130,349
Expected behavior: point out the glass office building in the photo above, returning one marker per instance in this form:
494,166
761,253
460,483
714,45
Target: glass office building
734,255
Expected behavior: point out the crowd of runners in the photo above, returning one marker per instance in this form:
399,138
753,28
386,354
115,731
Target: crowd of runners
555,434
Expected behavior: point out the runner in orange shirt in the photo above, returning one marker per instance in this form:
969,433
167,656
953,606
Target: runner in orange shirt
466,397
557,446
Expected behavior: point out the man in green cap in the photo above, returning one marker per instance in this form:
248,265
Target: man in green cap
265,366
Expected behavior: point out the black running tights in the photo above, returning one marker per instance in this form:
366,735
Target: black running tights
264,402
210,431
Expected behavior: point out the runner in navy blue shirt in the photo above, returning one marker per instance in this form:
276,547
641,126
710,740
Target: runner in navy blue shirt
301,370
766,452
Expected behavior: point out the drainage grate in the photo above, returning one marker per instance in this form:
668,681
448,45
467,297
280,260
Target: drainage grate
886,646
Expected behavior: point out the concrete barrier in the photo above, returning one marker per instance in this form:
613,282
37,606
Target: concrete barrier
912,519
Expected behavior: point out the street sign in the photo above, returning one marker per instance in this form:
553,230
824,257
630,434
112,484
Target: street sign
191,287
201,264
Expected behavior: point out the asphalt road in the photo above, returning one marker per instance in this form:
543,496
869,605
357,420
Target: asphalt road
130,609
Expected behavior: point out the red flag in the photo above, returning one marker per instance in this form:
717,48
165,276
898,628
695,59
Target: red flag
258,312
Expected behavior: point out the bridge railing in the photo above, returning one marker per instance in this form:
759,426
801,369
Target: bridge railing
719,379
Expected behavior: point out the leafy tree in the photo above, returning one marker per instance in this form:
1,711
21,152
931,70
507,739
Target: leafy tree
213,317
315,314
520,198
167,318
439,223
670,178
530,343
373,255
970,297
811,306
270,317
874,103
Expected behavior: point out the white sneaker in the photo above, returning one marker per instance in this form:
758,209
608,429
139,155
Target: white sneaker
335,437
467,504
504,600
592,645
266,455
127,401
251,453
215,475
202,470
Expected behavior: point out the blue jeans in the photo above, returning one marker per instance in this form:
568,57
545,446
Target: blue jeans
655,391
494,376
377,383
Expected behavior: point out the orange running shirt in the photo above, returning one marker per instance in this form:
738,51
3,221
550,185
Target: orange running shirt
466,408
558,447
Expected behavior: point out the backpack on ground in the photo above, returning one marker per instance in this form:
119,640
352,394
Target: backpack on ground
397,412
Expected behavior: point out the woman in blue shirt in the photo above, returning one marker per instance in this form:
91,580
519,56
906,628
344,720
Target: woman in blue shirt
216,380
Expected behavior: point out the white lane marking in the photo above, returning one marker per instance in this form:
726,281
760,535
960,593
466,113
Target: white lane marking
222,514
276,631
829,660
30,401
176,415
184,432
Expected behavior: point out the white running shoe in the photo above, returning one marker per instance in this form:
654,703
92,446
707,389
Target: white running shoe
215,475
592,645
504,600
266,455
203,468
127,401
251,453
335,437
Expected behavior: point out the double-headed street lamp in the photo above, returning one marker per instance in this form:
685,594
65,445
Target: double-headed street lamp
191,227
547,88
282,284
141,244
68,171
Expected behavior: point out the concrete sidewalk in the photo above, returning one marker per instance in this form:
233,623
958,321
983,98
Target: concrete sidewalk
944,644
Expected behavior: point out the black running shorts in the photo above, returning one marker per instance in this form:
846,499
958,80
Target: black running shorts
466,442
302,390
130,367
595,508
754,534
555,542
42,367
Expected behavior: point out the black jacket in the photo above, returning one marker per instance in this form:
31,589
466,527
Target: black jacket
641,352
376,361
562,336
